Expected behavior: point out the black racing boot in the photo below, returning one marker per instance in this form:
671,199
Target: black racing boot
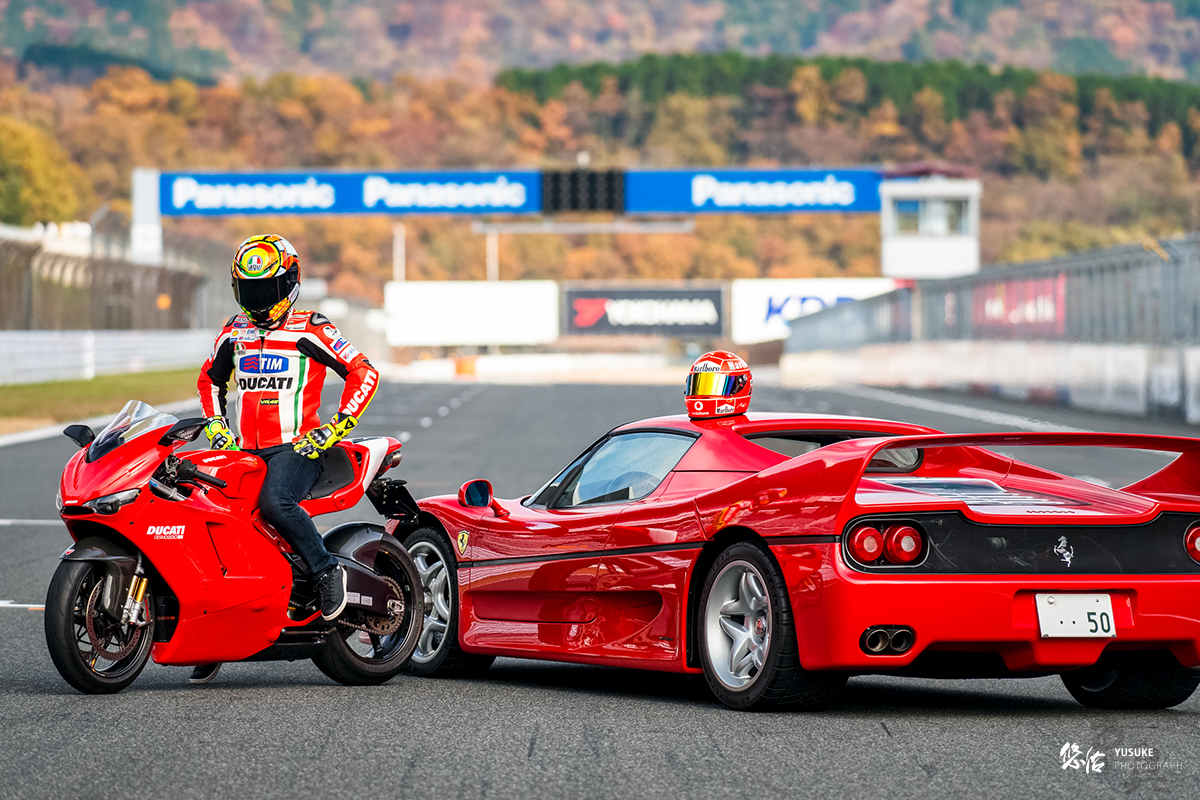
205,673
332,586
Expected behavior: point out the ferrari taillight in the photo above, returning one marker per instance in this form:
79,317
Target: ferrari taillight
1191,542
902,544
866,544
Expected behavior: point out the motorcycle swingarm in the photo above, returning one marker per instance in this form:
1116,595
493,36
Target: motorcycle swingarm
355,545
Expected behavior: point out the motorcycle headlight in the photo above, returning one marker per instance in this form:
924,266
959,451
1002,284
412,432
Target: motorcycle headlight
58,505
111,503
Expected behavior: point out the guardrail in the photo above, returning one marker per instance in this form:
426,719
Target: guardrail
37,356
1134,294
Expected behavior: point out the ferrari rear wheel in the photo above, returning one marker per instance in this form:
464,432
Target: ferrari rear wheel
748,637
438,652
1112,687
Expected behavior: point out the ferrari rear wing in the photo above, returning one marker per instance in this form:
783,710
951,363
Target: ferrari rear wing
1181,476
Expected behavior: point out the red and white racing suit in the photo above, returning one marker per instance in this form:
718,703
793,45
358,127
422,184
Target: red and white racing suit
280,374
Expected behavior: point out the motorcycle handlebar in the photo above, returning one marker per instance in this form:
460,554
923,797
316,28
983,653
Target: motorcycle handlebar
190,472
204,477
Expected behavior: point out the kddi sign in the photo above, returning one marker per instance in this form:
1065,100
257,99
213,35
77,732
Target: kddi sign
661,312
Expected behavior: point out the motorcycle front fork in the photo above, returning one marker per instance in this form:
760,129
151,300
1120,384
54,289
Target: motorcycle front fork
135,611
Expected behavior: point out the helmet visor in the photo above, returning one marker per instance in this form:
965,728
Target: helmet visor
713,384
261,294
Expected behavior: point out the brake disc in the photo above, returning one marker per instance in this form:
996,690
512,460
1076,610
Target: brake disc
101,646
377,624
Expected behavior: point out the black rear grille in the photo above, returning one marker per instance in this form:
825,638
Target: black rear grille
955,544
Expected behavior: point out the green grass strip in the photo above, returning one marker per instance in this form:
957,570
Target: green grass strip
63,401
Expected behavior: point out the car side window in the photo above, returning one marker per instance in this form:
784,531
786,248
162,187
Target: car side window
628,466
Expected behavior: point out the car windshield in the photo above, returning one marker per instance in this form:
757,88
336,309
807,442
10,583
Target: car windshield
628,466
135,419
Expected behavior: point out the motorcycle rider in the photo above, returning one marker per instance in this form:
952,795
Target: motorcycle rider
279,357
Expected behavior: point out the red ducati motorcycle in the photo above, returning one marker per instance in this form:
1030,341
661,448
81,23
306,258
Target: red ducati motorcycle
172,560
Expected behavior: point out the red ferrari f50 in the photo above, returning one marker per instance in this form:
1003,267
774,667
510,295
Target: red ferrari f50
779,554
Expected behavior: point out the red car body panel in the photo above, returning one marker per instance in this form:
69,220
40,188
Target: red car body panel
616,583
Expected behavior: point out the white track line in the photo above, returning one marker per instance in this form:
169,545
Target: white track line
956,409
11,604
56,430
46,522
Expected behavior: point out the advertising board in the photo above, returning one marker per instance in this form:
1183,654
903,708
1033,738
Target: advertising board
451,313
465,192
761,310
751,191
667,311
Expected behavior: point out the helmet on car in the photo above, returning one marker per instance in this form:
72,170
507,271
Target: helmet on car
266,278
718,385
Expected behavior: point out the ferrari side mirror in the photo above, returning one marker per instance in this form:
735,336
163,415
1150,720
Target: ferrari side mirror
475,494
478,494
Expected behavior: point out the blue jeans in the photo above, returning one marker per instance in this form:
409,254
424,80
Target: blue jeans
290,477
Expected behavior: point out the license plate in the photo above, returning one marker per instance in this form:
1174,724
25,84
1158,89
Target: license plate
1076,616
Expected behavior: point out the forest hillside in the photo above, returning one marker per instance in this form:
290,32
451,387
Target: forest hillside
209,40
1040,141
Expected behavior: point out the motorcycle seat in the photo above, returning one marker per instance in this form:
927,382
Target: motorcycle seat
338,474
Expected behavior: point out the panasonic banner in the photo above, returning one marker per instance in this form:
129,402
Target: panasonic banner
722,191
221,194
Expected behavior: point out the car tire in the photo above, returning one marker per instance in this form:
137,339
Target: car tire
1108,687
438,651
747,637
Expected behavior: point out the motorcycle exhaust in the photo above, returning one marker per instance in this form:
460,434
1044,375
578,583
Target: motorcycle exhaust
890,640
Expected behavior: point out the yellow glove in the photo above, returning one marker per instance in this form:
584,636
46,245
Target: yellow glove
318,440
219,435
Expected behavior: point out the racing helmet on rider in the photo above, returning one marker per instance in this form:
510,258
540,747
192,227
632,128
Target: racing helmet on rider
266,278
718,385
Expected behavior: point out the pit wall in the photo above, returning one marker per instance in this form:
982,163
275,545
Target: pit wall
1138,380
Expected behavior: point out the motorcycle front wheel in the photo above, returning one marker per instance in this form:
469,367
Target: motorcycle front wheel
93,652
358,658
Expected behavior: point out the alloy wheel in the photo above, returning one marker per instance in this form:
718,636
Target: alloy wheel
435,579
737,622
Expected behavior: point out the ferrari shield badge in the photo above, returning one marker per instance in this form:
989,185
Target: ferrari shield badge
463,536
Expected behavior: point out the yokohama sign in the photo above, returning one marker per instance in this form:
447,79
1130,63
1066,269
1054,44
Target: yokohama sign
662,312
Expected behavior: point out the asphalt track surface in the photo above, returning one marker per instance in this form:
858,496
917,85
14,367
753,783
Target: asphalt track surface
532,729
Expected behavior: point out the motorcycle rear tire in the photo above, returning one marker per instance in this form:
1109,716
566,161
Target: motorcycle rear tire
339,661
66,603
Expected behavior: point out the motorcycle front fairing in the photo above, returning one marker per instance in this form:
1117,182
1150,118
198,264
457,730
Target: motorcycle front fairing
232,584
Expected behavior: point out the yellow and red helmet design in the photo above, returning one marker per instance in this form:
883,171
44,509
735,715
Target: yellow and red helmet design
718,385
266,278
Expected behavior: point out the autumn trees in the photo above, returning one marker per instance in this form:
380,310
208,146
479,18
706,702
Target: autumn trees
1040,140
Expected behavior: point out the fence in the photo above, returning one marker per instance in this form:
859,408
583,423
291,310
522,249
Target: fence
36,356
1136,294
41,290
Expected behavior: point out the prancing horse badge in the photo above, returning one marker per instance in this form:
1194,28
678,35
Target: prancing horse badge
463,536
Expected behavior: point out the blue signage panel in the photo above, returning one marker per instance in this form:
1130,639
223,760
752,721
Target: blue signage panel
722,191
396,193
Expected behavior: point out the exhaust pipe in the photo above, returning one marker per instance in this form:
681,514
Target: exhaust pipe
890,640
876,640
902,640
